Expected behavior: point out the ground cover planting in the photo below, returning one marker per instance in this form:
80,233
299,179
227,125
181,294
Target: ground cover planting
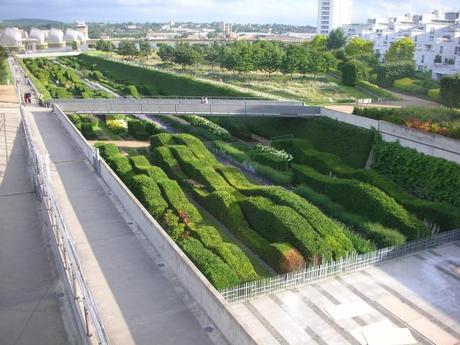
329,156
443,121
150,82
222,262
56,81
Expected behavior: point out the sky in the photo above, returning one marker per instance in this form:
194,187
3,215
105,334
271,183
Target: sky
298,12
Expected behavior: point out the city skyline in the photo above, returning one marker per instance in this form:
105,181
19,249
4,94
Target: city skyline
238,11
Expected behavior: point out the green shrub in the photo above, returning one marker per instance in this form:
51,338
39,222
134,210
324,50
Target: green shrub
149,194
425,176
350,73
87,130
196,146
163,157
389,72
121,166
271,161
283,224
234,177
362,198
384,237
208,125
434,94
330,231
179,201
131,91
162,139
139,164
213,267
450,91
107,150
284,258
172,224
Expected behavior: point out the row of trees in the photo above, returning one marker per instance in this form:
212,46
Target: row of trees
126,48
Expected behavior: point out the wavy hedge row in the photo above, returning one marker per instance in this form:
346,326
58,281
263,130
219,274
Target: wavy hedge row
226,197
362,198
223,263
443,214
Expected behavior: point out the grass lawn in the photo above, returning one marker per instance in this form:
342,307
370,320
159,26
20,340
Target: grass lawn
5,73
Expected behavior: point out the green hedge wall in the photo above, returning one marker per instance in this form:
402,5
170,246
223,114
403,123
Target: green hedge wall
283,224
362,198
450,91
381,235
425,176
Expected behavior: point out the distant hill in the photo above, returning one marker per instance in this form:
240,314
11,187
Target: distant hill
27,23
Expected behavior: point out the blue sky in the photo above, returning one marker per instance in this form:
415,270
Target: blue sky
240,11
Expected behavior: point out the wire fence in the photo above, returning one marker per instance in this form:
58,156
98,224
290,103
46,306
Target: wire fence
68,262
246,291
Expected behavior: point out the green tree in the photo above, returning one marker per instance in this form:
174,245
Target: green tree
239,57
184,55
336,39
166,53
268,56
401,50
145,49
321,62
214,55
319,42
127,48
358,46
292,59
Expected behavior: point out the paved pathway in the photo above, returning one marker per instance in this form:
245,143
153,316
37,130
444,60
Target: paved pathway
30,311
419,293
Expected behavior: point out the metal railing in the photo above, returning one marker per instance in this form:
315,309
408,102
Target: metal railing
246,291
68,263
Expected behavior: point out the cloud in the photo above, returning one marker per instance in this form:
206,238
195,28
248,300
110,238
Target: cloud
240,11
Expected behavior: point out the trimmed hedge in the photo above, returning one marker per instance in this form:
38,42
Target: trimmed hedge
283,224
142,129
450,91
162,139
149,194
213,267
382,236
428,177
362,198
284,257
179,201
196,146
330,231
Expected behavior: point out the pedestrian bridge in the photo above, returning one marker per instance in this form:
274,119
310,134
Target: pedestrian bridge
188,106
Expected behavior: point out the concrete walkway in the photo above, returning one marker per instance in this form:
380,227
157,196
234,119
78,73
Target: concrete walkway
30,311
138,304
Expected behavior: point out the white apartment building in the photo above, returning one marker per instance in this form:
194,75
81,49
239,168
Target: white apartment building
436,36
333,14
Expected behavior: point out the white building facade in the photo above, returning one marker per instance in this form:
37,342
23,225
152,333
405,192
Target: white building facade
333,14
436,37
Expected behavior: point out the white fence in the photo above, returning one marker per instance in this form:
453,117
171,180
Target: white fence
83,306
291,280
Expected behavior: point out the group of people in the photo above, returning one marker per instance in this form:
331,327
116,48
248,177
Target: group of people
27,98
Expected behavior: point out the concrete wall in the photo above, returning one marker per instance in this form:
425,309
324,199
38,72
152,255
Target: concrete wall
427,143
354,120
191,278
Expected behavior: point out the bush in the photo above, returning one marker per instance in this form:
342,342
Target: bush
350,73
208,125
196,146
162,139
389,72
450,91
142,129
383,236
131,91
117,126
214,268
425,176
172,224
107,150
330,231
122,167
139,164
363,199
284,257
283,224
434,94
179,201
149,194
87,130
